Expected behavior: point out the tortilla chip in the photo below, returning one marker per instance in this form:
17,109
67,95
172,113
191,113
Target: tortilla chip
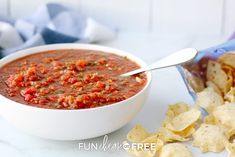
176,109
230,147
225,115
209,99
216,74
154,139
187,132
195,82
214,86
184,120
210,119
209,138
137,134
168,136
228,69
230,134
175,150
230,74
228,59
142,152
230,96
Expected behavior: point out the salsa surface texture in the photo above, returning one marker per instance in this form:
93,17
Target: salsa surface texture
70,79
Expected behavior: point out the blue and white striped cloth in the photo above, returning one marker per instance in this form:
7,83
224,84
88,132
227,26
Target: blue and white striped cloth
49,24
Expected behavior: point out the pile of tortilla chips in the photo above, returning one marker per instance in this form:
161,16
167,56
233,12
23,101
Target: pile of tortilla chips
211,133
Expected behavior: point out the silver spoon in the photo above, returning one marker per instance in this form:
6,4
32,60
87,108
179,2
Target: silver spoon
176,58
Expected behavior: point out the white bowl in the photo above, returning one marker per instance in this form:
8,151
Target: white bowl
72,124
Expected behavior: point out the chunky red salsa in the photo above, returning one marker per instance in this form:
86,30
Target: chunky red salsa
70,79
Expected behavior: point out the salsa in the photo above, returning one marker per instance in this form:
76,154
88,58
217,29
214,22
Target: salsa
70,79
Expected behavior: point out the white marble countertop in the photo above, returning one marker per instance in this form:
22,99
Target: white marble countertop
167,87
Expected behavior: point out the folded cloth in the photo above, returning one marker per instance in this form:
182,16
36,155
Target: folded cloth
51,23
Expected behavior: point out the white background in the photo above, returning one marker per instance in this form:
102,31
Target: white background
212,17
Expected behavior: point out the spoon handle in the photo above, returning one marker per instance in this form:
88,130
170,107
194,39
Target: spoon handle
176,58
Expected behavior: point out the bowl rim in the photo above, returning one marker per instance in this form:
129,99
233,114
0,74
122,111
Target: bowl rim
44,48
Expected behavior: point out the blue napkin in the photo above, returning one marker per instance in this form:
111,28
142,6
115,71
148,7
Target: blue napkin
49,24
